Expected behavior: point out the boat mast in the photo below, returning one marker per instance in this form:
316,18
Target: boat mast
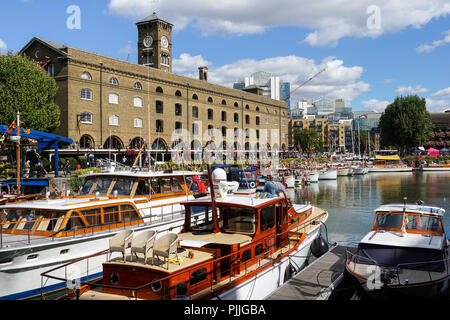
213,201
18,153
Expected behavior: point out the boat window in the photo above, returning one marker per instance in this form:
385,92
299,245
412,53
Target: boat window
258,249
166,184
111,214
156,187
128,213
267,218
124,186
92,216
51,218
87,186
421,222
240,220
197,276
202,219
246,255
74,223
143,188
102,185
388,221
176,186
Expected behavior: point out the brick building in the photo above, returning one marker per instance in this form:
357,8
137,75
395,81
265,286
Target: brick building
109,105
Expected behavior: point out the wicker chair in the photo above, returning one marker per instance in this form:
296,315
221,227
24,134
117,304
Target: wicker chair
165,246
143,243
120,242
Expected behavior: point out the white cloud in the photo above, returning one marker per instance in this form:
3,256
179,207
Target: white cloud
437,43
437,105
328,21
3,47
338,81
388,81
128,49
444,93
411,89
375,105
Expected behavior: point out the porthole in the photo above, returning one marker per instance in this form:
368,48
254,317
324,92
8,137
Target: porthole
114,278
32,256
156,287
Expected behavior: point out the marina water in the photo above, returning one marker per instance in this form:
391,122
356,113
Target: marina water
351,200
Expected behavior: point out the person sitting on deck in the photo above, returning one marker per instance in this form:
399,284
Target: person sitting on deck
272,188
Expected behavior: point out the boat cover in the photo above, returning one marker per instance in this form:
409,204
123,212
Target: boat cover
401,257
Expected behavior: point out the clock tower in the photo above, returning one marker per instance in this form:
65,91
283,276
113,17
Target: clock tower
155,43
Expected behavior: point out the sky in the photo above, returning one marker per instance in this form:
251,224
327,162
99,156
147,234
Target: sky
373,50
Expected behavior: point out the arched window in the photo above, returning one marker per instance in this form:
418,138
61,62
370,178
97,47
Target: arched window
86,117
247,107
137,102
138,86
114,81
159,90
113,98
178,93
194,97
137,122
86,94
257,109
210,100
113,142
224,102
113,120
86,142
236,104
86,76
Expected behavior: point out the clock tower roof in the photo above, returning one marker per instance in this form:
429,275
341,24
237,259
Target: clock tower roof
152,18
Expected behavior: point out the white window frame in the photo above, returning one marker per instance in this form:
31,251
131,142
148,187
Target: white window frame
86,76
113,120
138,122
113,98
86,97
140,104
83,119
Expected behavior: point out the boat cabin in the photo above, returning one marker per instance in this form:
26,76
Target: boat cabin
224,242
105,201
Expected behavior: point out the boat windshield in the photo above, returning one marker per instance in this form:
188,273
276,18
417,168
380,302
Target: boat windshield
101,185
417,222
388,221
240,220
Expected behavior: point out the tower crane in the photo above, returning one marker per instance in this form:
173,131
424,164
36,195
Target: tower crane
304,83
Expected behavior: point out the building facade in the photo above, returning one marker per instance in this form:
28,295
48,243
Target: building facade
107,103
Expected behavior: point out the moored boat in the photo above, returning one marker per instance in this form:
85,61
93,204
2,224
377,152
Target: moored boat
243,249
404,255
41,234
328,174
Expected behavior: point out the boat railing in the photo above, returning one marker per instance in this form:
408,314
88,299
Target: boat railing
28,233
269,254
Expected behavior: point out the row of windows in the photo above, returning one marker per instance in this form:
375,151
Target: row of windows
86,118
138,86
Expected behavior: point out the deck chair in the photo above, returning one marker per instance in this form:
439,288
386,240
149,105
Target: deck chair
142,243
165,246
120,242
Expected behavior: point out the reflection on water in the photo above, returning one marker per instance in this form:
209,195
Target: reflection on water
351,201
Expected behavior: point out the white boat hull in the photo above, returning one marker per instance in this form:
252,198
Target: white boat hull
436,169
328,175
290,181
387,169
312,177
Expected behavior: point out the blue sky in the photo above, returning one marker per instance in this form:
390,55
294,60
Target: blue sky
372,56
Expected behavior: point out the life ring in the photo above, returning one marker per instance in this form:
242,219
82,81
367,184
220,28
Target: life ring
252,185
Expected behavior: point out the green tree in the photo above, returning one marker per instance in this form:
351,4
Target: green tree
308,139
26,88
405,124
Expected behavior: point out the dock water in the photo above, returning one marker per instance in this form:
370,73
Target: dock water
320,280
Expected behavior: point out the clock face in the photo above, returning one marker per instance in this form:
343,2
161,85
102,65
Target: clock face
164,42
148,41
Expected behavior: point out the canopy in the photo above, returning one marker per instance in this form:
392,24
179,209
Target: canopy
391,157
44,140
433,152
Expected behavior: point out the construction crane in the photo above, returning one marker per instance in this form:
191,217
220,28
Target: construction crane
305,82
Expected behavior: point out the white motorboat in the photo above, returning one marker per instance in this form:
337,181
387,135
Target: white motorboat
311,176
42,234
404,255
330,174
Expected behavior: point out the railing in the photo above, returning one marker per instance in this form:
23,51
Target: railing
250,266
